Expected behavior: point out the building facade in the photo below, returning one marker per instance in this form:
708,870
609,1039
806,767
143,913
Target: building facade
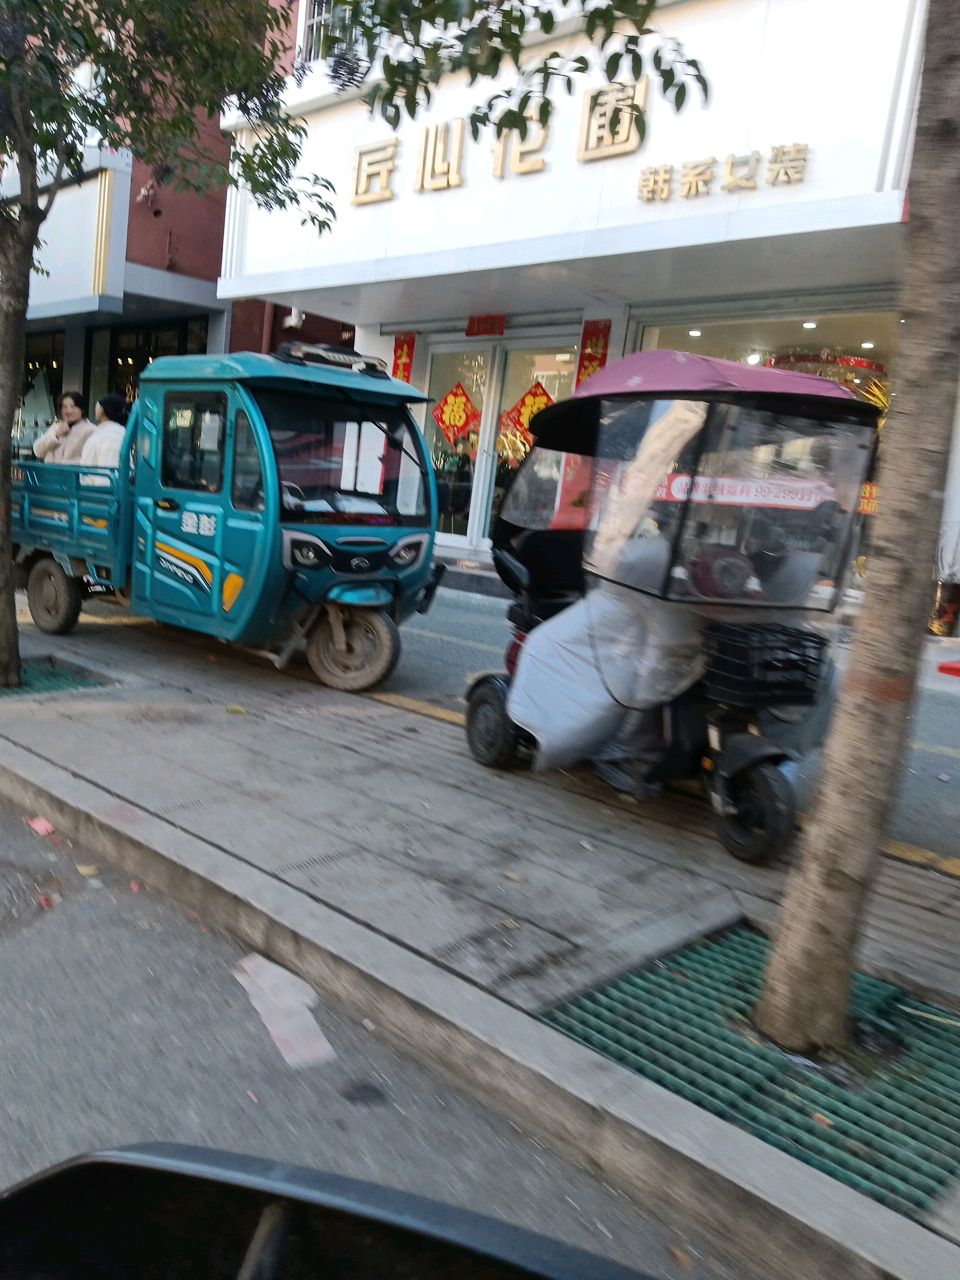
766,225
128,271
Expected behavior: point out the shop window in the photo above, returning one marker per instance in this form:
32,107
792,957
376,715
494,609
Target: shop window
856,349
193,441
42,386
247,471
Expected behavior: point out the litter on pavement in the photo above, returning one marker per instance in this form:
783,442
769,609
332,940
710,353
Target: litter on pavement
283,1002
40,826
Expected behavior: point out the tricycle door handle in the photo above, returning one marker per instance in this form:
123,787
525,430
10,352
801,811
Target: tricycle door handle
167,504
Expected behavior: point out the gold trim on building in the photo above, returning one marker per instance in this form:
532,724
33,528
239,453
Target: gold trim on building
101,244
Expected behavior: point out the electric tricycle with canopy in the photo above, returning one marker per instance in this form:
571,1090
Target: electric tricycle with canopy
274,502
670,539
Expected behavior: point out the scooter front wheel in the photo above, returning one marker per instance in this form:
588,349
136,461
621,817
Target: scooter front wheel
491,734
763,823
371,652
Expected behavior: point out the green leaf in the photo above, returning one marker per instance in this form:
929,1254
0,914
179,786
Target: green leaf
680,97
612,66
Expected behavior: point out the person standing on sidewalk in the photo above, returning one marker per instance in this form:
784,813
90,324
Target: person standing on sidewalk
63,441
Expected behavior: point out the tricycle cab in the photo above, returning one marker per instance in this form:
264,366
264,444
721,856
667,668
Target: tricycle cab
259,499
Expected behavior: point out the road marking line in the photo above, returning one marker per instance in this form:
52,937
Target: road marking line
935,749
403,703
460,640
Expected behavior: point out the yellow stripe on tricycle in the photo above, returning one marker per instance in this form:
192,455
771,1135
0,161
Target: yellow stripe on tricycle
185,558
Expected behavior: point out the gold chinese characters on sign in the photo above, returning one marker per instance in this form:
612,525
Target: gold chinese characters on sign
441,157
787,165
609,128
373,169
525,153
609,124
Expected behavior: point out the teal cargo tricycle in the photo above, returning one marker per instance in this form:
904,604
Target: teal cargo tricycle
275,502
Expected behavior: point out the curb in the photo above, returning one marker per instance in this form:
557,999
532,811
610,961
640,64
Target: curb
755,1201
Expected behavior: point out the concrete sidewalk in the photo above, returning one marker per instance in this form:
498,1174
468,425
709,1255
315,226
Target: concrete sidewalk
376,824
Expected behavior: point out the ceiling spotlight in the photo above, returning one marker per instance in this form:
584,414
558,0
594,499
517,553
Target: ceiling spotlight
694,333
867,346
809,324
857,381
753,357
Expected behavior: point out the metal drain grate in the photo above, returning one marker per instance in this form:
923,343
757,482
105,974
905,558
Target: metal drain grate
50,677
894,1134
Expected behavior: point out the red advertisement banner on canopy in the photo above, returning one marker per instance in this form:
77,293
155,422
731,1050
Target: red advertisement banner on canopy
404,346
486,326
456,415
594,345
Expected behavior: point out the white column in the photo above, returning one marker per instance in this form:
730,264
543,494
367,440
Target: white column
74,352
371,342
218,331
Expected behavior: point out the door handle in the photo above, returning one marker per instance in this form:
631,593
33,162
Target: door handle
167,504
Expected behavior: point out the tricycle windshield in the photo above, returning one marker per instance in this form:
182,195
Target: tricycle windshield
343,463
746,503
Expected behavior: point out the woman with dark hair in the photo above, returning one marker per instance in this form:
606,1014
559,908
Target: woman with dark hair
103,445
63,441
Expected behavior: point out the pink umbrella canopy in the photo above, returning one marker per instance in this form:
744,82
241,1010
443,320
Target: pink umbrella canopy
656,372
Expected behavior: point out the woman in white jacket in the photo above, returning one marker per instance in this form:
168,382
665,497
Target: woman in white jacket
64,440
102,447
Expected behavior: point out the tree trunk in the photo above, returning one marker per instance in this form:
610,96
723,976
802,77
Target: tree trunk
16,258
805,1001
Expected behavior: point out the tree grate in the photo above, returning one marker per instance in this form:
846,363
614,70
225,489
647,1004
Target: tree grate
44,676
887,1125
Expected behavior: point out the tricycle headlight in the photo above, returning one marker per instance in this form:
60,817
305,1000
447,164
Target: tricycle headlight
307,555
406,553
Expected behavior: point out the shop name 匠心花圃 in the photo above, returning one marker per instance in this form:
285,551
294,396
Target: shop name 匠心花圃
608,129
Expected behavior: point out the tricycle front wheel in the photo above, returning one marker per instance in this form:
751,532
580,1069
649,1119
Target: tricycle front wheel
54,597
369,655
763,823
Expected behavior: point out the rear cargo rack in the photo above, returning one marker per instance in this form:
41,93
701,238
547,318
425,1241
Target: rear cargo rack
337,357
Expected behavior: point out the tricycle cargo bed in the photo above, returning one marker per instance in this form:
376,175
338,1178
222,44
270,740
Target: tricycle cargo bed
74,513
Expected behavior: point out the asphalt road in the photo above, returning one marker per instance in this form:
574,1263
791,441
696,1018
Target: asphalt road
122,1023
466,634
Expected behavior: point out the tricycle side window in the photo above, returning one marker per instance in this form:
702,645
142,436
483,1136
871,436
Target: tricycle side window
193,434
247,467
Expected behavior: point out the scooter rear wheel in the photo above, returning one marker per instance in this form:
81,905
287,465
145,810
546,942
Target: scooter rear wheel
491,734
764,822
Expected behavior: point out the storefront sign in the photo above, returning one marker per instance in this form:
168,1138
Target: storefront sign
456,415
609,130
786,166
486,326
404,346
517,419
594,345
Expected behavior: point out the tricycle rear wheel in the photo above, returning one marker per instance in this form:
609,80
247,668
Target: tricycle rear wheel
54,597
372,652
764,821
